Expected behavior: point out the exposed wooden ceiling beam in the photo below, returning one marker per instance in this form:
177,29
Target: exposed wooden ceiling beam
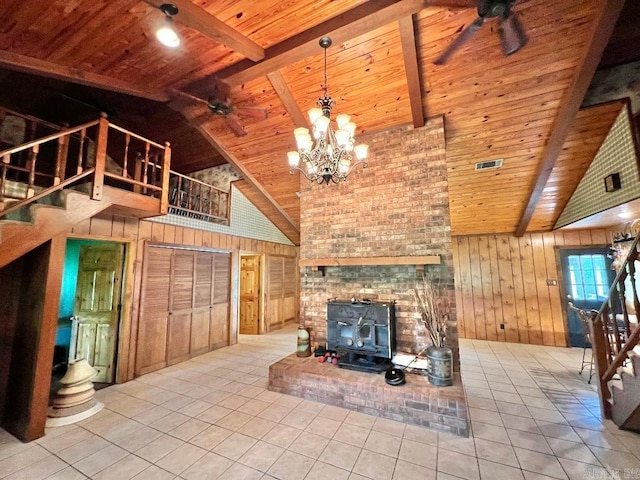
408,40
603,24
43,68
286,97
199,19
352,23
194,116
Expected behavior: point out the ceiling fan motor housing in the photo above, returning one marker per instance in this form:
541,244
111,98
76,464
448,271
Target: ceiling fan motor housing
218,107
494,8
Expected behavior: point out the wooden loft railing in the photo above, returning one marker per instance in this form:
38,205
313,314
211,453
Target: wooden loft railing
104,154
195,199
613,335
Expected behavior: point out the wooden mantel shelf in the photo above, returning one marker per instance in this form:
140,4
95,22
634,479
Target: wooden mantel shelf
364,261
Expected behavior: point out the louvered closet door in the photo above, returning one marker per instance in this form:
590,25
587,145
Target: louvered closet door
203,303
179,340
219,333
154,311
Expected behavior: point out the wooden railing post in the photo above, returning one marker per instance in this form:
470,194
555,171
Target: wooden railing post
61,157
101,157
31,166
166,166
3,176
598,338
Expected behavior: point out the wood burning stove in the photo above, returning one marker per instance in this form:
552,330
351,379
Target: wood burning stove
362,332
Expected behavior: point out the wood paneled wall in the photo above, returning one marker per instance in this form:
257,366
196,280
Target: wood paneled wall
137,233
502,279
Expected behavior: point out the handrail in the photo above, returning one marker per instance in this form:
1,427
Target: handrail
44,123
48,138
611,341
135,135
195,180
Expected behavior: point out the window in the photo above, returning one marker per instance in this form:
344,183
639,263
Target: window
588,277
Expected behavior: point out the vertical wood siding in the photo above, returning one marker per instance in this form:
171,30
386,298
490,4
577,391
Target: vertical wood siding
502,279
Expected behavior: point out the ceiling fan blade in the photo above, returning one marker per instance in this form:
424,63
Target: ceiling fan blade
221,90
190,97
252,112
512,35
466,34
233,122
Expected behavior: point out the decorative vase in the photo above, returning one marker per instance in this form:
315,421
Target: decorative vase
440,371
304,346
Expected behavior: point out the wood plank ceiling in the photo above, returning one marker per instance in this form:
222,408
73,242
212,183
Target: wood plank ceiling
518,108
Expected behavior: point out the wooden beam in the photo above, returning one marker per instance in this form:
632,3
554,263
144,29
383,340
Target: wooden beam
352,23
194,117
286,97
43,68
192,16
408,40
603,24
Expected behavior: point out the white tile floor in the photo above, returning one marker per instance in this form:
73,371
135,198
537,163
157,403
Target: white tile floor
533,417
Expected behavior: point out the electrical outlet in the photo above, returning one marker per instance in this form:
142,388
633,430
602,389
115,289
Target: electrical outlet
502,326
552,283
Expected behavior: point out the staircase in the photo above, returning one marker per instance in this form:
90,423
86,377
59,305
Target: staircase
614,337
50,184
625,395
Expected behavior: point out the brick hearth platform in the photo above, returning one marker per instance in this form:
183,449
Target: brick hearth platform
417,402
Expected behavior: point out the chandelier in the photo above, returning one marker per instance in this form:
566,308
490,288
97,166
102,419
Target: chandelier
331,155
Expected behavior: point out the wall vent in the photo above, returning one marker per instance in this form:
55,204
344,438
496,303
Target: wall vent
489,164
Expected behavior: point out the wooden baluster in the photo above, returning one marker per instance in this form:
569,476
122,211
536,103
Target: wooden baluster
166,172
190,196
61,157
598,347
138,172
6,159
80,160
101,158
212,192
227,197
634,290
615,331
127,140
606,314
31,166
145,170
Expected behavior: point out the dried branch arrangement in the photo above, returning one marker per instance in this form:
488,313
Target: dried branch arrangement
432,311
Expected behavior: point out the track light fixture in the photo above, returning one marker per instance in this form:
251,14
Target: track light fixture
167,34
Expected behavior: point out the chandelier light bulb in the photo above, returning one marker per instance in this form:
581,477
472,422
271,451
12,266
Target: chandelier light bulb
350,127
322,123
342,137
342,120
361,151
314,113
294,159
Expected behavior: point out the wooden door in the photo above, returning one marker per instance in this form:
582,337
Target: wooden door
219,331
151,351
587,277
202,303
97,308
250,294
180,309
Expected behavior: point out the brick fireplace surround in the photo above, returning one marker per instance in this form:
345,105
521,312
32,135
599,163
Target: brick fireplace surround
398,207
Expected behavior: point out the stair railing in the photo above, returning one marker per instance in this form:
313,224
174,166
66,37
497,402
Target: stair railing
612,333
82,149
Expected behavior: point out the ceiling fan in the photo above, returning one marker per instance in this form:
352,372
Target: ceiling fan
219,103
512,35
